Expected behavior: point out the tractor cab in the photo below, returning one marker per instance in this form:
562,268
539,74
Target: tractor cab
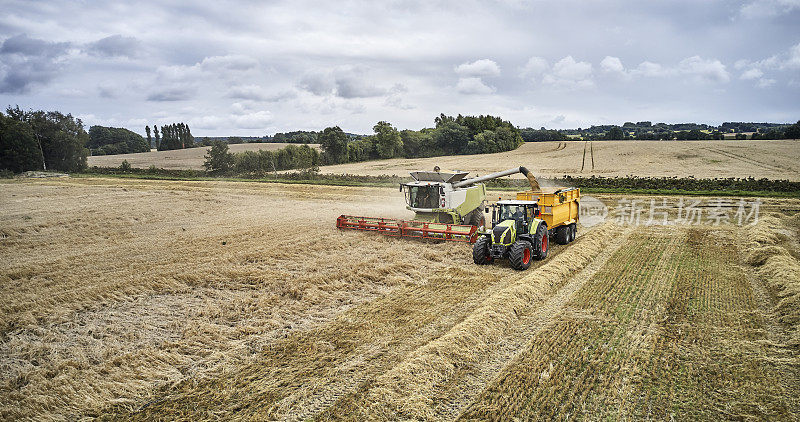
522,212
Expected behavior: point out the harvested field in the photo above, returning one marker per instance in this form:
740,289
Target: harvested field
701,159
179,159
138,299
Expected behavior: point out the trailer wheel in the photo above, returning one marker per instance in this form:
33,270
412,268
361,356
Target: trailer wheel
563,234
541,242
520,255
480,251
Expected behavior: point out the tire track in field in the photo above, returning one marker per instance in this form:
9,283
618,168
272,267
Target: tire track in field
365,365
472,383
409,389
747,160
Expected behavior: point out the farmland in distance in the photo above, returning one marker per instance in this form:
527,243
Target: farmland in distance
702,159
178,159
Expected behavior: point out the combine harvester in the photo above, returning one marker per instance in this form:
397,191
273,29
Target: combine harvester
446,207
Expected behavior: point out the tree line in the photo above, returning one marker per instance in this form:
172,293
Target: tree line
115,140
662,131
172,136
219,160
451,136
41,140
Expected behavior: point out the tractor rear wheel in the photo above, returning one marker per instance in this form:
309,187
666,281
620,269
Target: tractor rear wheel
521,255
480,251
541,242
563,234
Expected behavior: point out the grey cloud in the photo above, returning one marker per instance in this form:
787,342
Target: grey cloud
344,82
172,94
317,84
356,87
247,92
114,46
27,62
26,46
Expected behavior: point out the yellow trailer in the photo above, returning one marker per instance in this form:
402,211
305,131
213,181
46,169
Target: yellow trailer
558,207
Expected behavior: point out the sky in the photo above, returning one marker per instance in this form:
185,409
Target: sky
253,68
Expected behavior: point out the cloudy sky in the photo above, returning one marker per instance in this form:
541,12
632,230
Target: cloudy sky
254,68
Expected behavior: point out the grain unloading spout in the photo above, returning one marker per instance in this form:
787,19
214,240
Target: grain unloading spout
531,179
523,170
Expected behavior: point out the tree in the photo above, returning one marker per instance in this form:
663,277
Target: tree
114,140
60,137
793,131
218,159
387,140
418,144
149,138
451,137
333,142
615,133
19,150
158,138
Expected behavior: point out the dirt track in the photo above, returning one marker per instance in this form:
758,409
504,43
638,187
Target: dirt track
201,300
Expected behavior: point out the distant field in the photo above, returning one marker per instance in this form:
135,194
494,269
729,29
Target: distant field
701,159
191,158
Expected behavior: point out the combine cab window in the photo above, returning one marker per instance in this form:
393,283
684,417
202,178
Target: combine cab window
422,196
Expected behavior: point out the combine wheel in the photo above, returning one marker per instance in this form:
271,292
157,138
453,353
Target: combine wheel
573,231
541,243
480,251
476,218
563,234
521,255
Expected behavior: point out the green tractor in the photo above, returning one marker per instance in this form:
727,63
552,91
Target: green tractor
518,234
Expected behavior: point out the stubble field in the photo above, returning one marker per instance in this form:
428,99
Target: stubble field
179,159
701,159
136,299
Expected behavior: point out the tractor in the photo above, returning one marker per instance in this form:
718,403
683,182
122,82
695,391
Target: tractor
521,228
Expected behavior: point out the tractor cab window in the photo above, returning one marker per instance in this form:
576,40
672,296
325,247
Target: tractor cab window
422,196
512,212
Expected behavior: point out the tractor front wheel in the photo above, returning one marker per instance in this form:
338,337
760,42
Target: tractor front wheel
520,255
480,251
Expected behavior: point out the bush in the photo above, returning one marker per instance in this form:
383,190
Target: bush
218,159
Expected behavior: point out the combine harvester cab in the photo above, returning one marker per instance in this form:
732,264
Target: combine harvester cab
446,206
522,228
